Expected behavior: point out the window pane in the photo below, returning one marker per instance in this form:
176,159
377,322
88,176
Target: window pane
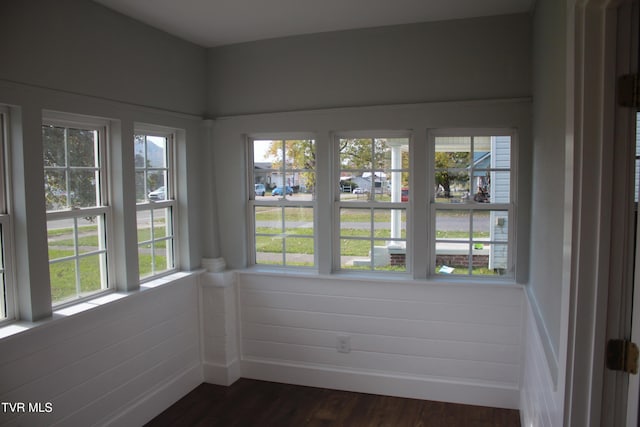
91,234
269,250
262,184
452,258
299,221
82,147
55,190
300,155
453,152
355,222
452,225
162,224
157,185
63,280
497,262
61,238
54,146
141,187
160,256
354,254
156,152
391,223
268,219
500,187
356,154
144,260
140,151
299,251
91,273
83,187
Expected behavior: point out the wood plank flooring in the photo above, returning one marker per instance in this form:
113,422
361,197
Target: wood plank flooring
265,404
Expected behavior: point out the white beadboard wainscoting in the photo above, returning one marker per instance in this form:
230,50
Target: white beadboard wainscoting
438,341
541,403
119,363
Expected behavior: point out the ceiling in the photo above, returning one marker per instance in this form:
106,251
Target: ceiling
211,23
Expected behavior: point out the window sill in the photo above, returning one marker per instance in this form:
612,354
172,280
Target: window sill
404,278
21,326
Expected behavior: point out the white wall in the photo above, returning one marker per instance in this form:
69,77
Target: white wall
483,58
549,127
541,401
120,363
81,47
445,342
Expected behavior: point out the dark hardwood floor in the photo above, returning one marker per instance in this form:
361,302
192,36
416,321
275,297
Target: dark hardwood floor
265,404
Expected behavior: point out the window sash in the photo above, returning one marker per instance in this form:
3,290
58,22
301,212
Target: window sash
280,202
101,209
470,205
169,203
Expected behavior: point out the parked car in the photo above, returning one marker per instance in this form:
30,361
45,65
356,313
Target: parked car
360,190
278,191
260,189
404,195
159,194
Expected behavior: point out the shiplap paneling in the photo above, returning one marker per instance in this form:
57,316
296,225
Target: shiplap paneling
540,401
417,334
99,365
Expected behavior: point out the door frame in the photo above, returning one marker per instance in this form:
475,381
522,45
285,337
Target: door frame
592,293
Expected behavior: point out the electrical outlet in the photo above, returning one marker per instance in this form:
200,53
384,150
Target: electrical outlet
343,344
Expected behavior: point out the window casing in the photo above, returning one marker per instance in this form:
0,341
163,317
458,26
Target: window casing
156,206
472,202
7,291
373,193
282,185
78,211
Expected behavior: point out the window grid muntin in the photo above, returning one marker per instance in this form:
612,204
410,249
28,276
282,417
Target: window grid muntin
371,203
470,205
67,169
79,255
375,167
165,171
100,209
283,202
153,242
151,206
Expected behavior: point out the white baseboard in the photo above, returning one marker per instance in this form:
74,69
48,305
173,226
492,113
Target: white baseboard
470,393
219,374
145,409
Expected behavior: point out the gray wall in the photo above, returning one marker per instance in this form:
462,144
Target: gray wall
82,47
548,166
481,58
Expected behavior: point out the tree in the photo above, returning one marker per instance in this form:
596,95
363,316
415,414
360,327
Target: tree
446,164
299,155
71,167
358,154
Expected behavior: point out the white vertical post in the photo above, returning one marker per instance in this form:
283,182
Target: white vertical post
396,188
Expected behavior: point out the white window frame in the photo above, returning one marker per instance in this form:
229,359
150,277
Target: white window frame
280,202
67,120
8,301
471,205
370,204
170,202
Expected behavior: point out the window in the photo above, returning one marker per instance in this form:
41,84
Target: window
156,202
472,203
6,288
373,194
78,212
282,203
